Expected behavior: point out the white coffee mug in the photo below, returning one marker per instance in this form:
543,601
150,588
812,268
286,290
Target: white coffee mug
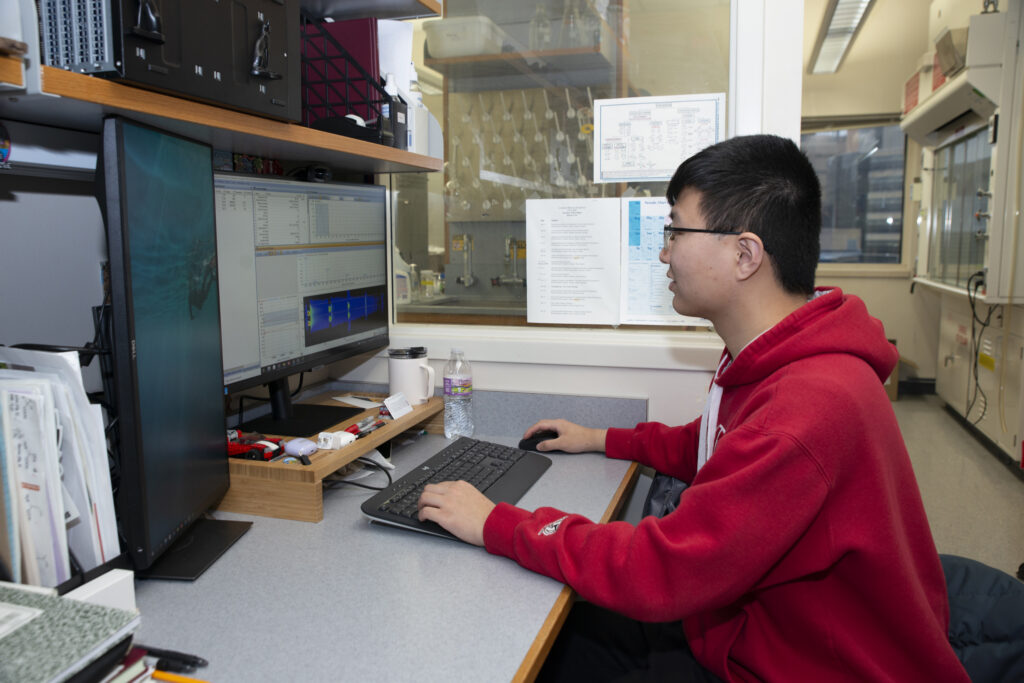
410,373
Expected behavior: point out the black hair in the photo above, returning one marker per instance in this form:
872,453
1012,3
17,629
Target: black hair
765,185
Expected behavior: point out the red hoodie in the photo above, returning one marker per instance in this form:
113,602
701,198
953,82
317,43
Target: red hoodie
801,551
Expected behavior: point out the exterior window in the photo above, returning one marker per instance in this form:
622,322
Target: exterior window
861,173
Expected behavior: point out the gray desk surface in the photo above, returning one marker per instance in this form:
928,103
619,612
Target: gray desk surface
346,600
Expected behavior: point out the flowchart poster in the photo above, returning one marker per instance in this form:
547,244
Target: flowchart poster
644,139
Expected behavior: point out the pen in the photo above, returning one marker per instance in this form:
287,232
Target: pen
159,675
371,428
184,657
361,425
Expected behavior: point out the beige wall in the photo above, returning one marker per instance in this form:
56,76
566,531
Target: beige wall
896,36
943,14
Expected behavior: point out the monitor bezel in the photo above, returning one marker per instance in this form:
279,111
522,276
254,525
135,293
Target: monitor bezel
134,515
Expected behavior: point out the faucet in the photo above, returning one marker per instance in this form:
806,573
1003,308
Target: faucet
467,279
511,254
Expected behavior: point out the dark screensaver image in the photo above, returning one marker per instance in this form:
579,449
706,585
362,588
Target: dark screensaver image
172,238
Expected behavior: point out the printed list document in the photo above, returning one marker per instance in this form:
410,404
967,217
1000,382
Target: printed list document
644,296
595,262
644,139
573,261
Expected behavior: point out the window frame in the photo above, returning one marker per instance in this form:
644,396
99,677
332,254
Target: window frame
911,206
764,79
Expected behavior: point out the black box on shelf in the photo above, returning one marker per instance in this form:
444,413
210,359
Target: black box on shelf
242,54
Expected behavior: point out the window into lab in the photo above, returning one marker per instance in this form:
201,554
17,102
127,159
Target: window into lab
861,174
512,86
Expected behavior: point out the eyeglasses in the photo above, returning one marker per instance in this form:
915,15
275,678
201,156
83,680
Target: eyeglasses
670,233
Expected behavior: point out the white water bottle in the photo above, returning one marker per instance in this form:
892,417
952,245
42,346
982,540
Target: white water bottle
458,396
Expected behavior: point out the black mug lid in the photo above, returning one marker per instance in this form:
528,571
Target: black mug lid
412,352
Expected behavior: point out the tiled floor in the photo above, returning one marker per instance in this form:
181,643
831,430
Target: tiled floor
974,503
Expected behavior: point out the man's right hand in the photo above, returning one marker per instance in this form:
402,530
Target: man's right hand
572,438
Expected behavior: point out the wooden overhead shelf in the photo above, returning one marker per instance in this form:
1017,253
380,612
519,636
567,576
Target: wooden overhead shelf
86,100
380,9
10,71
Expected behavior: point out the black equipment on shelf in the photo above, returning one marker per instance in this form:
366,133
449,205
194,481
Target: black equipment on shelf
242,54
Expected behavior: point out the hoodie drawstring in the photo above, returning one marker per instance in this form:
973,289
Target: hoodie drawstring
709,422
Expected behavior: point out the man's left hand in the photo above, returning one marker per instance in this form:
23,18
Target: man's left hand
458,507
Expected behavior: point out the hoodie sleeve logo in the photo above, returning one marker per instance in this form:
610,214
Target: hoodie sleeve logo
552,527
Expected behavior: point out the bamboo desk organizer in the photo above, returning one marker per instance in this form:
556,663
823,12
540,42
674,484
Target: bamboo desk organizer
295,491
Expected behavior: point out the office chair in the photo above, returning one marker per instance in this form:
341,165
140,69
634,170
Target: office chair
986,619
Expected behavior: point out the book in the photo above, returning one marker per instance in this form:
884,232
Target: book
91,527
130,669
30,440
10,536
45,637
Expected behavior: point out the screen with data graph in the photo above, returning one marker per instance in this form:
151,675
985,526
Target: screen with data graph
303,275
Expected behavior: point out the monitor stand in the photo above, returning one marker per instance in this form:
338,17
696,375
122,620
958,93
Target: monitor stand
300,419
195,550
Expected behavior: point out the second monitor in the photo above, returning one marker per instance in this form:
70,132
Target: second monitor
303,282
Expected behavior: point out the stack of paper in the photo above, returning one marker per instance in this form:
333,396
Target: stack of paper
54,477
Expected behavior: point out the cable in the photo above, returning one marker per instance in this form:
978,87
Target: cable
60,348
330,483
978,279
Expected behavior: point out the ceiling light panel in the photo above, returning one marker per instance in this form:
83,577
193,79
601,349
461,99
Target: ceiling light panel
843,19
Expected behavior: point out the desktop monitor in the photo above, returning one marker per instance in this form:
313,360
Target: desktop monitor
303,282
156,193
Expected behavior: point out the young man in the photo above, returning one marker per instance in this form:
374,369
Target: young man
800,550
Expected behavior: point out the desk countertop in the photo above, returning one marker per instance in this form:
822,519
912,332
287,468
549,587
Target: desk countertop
346,600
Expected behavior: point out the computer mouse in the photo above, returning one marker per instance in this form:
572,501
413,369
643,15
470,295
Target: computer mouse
300,447
530,442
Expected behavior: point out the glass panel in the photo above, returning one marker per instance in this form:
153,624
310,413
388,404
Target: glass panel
979,160
962,170
939,237
861,174
958,211
514,96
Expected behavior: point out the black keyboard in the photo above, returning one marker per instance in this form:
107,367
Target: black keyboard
502,473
